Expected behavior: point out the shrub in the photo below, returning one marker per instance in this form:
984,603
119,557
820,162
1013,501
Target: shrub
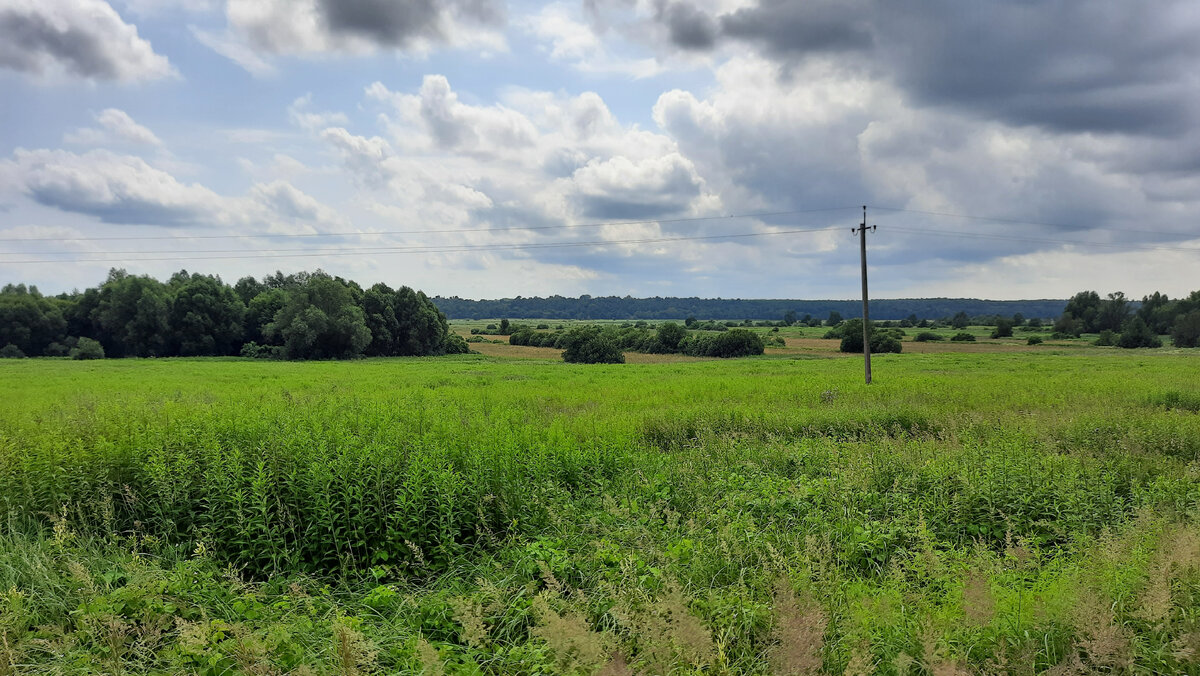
670,335
733,343
253,350
926,336
590,345
1107,337
11,351
1186,330
1004,329
882,340
543,326
963,337
87,348
1034,340
1135,333
455,344
56,350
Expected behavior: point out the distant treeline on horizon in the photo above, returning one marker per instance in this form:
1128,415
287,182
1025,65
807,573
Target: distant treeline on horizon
616,307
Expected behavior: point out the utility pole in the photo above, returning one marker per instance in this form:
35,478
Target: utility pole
862,247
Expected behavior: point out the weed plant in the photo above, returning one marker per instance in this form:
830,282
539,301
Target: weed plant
981,513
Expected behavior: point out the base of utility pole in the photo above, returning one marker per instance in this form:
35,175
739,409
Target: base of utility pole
861,231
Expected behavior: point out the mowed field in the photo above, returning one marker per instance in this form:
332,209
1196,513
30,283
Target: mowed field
1010,510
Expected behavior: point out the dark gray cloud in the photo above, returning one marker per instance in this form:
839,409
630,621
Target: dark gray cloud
689,27
85,39
398,22
788,28
1067,65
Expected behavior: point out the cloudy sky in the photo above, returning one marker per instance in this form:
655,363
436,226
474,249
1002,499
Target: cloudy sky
606,146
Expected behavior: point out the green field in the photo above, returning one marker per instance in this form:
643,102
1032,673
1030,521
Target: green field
968,513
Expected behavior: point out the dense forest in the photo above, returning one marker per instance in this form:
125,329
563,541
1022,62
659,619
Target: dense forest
615,307
301,316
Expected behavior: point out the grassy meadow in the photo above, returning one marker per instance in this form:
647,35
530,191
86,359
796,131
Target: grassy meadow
1020,510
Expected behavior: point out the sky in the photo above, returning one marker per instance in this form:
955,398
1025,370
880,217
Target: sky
720,148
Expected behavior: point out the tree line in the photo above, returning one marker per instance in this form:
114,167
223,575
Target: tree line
1126,323
308,315
663,308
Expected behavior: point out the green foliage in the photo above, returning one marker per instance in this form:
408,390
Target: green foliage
1185,332
963,336
506,517
1137,334
670,335
131,316
29,321
205,316
1177,400
253,350
11,351
960,320
882,339
733,343
320,321
834,319
404,323
926,336
590,345
1004,329
56,350
1106,338
86,348
1034,340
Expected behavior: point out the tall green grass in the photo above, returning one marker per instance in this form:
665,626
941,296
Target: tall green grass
540,517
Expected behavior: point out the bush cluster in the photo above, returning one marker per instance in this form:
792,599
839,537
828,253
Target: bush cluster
882,339
668,338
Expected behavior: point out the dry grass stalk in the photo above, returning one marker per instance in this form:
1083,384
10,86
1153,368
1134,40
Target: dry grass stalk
552,582
469,614
937,663
617,666
571,639
861,663
1186,648
1105,643
800,629
431,663
1178,552
978,603
251,654
353,651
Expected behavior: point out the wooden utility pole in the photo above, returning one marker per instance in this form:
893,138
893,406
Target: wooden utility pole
862,247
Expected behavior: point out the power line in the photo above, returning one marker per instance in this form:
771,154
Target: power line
1041,240
364,233
1014,221
463,248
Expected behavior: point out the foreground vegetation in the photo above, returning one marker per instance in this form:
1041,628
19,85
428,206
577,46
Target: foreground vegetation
992,513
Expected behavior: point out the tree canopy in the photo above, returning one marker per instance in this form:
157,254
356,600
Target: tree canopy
301,316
